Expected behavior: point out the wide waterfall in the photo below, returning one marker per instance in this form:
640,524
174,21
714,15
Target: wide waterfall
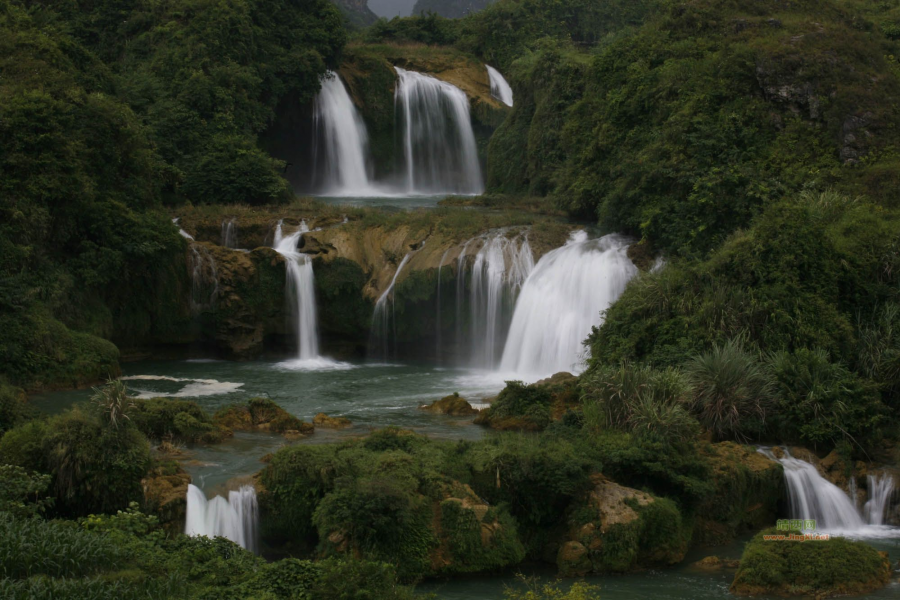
499,86
439,151
300,292
236,518
562,299
342,142
812,497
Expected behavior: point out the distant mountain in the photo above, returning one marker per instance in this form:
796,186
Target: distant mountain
357,12
453,9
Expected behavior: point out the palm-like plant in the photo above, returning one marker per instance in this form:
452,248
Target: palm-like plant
113,401
732,391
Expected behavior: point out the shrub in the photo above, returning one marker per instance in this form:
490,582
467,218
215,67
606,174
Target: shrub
14,408
732,391
822,402
113,401
519,406
183,420
356,579
22,493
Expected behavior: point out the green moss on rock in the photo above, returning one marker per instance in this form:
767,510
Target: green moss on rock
834,567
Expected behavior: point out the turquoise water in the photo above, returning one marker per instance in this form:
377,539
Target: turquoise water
372,396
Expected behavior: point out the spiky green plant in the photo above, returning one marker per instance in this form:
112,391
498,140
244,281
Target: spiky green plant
113,401
732,391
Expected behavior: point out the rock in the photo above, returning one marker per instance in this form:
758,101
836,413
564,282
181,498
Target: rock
324,421
261,414
573,560
714,563
453,405
165,494
614,503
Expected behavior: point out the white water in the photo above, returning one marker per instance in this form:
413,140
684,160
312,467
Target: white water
340,166
181,231
499,86
562,299
881,487
235,518
300,292
439,150
499,270
383,320
812,497
229,234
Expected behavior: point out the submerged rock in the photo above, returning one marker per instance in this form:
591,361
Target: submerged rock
453,405
326,422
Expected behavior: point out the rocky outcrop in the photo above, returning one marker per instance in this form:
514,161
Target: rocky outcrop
325,422
747,488
165,494
453,405
261,414
616,529
820,569
714,563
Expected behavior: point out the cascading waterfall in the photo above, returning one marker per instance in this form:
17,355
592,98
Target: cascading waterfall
383,322
499,269
499,86
881,488
812,497
204,279
438,333
299,292
236,518
229,234
562,299
342,142
439,150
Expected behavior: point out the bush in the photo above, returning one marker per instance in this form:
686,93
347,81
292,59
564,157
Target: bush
184,420
821,402
519,406
22,493
732,391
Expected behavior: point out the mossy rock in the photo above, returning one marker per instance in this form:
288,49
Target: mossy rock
453,405
261,414
165,494
324,421
835,567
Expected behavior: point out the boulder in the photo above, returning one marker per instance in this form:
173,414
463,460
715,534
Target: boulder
453,405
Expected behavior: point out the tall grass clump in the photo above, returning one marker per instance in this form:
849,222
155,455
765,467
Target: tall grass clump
732,391
648,402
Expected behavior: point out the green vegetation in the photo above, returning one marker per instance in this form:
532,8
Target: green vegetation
175,420
259,414
814,568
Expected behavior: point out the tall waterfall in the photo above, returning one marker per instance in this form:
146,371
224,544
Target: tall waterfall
499,269
499,86
811,496
342,142
204,278
439,151
299,292
561,300
236,518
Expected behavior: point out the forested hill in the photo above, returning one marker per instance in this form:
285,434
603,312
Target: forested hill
452,9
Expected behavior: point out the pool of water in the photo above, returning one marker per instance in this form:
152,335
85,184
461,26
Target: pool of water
371,395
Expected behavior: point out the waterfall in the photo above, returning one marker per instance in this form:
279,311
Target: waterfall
881,487
499,87
438,334
499,269
384,325
439,149
299,292
204,279
235,518
229,234
562,299
181,231
812,497
340,165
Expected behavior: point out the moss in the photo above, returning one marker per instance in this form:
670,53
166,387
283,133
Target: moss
345,312
260,414
813,568
453,405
